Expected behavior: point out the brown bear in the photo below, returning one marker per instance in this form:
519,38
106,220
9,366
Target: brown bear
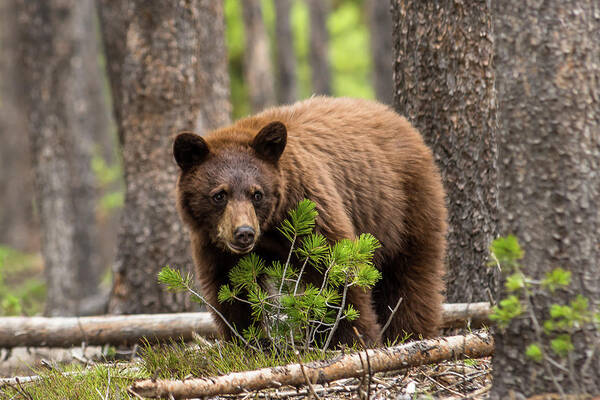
367,170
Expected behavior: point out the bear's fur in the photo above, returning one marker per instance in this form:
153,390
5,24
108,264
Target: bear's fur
366,169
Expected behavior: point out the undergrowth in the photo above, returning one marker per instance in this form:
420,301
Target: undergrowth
76,382
22,286
178,360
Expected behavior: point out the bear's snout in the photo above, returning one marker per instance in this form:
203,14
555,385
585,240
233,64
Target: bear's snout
244,236
238,228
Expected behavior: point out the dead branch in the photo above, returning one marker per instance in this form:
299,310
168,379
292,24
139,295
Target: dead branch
383,359
129,329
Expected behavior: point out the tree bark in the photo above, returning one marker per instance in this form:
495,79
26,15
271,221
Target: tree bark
382,49
19,227
257,58
548,83
444,82
172,76
287,86
53,36
319,46
347,366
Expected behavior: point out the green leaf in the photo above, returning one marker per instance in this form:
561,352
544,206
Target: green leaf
562,345
315,248
506,251
173,279
508,309
247,271
301,220
515,282
534,352
557,278
350,313
226,294
367,276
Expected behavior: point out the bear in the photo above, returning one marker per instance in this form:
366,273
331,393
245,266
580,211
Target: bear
366,169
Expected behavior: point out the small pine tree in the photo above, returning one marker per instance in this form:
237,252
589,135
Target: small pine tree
297,315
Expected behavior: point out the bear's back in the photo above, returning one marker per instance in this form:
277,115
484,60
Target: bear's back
358,154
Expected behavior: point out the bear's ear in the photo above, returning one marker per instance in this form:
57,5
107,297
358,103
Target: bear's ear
189,149
270,142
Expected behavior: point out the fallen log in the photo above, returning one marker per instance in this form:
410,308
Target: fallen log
100,330
474,345
130,329
456,315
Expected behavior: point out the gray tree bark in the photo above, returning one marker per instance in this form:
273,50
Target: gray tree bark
18,226
172,76
258,72
319,46
548,83
287,86
382,49
444,80
53,36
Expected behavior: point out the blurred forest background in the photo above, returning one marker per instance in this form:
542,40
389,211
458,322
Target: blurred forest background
345,65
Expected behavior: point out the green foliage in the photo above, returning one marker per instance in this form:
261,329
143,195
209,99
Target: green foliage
349,51
507,309
178,360
305,315
301,220
348,37
534,352
78,383
22,285
515,282
557,278
506,251
110,180
175,282
563,319
562,345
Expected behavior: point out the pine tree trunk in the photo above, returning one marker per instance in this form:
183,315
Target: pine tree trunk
382,49
319,46
548,83
444,82
172,77
287,88
53,36
18,226
257,57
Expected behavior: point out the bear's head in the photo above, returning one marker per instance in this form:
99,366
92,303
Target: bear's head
228,188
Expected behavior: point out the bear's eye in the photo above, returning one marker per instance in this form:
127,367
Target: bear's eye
219,197
257,196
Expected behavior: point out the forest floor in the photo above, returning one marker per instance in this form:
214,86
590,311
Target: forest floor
80,374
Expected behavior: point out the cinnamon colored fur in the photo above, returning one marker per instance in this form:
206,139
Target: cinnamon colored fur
366,169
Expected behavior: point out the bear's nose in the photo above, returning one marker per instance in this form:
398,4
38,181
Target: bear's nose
244,236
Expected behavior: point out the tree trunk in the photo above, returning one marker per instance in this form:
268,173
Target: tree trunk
18,226
172,76
444,82
382,49
287,88
53,36
319,46
548,83
257,58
